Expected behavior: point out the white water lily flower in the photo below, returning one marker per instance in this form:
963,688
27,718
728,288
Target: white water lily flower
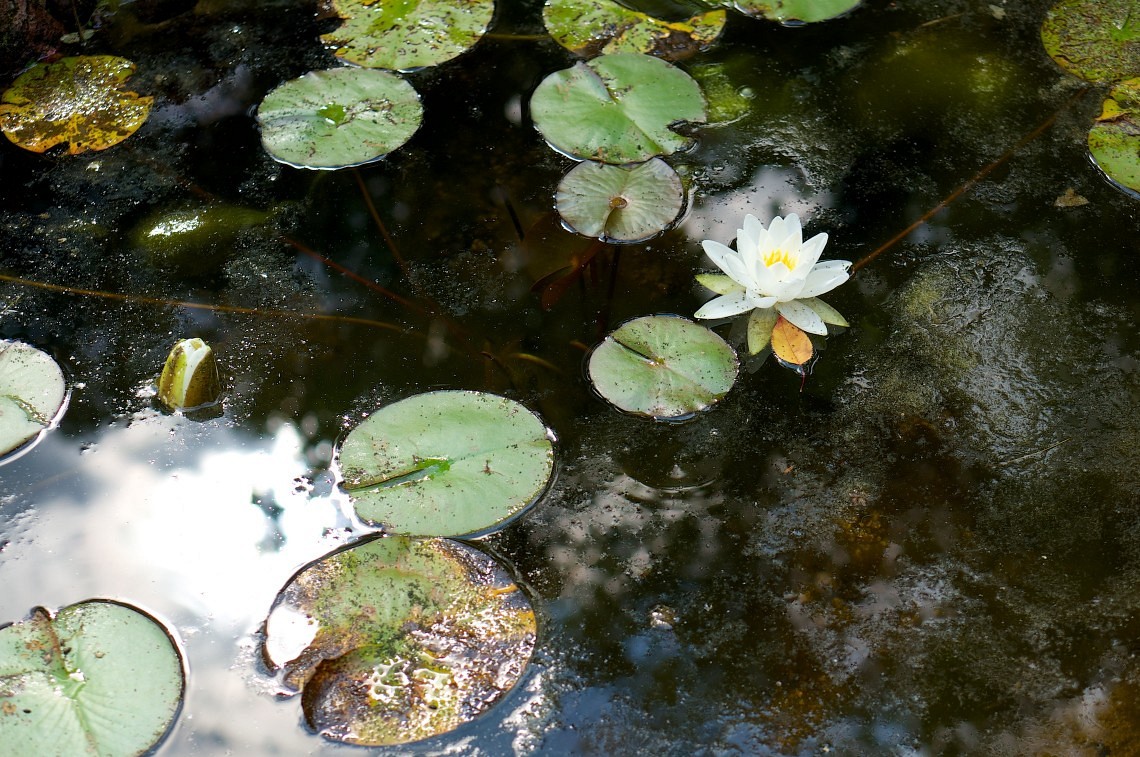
774,268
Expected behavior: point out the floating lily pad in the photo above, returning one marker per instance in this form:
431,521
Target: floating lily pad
407,34
32,391
594,27
399,639
620,203
663,366
1097,40
338,118
76,101
619,108
792,11
446,463
1114,139
100,678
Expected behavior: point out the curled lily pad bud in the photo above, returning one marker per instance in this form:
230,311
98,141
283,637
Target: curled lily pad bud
190,377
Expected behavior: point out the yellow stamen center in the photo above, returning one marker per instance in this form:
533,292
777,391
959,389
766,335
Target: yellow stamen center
779,256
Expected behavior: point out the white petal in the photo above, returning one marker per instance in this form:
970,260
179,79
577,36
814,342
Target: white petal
822,280
725,306
748,237
727,261
760,301
812,249
801,315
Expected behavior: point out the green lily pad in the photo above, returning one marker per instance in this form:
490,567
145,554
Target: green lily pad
446,463
338,118
399,639
100,678
620,203
32,392
1097,40
77,101
1114,140
193,241
594,27
618,108
793,11
663,366
402,35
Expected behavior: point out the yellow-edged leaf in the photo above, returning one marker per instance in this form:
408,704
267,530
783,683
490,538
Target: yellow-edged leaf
790,343
76,101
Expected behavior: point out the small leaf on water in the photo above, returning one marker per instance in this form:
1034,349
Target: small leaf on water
338,118
399,639
789,343
76,101
663,367
621,204
98,678
446,463
32,391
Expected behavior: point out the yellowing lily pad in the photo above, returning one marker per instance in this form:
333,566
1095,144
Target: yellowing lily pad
794,11
1114,140
446,463
594,27
338,118
402,35
1097,40
663,367
618,108
98,678
620,203
75,101
32,392
399,639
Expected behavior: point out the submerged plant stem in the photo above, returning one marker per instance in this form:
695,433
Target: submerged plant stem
380,225
969,184
140,299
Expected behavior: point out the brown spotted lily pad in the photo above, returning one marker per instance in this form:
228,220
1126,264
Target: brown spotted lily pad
594,27
399,639
77,101
1097,40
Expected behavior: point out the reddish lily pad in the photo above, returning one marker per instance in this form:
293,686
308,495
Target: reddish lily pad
75,101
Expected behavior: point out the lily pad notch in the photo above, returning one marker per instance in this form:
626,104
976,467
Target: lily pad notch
617,108
663,367
98,677
446,463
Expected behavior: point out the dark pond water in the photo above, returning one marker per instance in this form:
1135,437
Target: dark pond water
933,547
